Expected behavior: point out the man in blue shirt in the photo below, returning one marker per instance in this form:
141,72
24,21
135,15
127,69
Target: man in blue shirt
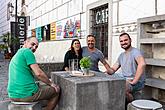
95,54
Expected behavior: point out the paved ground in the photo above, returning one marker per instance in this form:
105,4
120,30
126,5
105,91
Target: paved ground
3,79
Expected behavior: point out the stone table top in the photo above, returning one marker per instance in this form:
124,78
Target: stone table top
98,76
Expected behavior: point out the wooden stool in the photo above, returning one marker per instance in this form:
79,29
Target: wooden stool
144,105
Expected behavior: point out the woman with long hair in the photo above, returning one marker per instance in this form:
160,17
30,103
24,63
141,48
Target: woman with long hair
75,52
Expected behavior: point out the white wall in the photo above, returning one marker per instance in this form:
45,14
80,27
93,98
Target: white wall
129,12
39,10
41,14
54,50
44,12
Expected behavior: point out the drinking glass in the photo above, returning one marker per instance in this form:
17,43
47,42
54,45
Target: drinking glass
73,65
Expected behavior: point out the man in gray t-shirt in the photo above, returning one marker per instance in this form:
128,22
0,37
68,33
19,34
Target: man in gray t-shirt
94,54
128,64
132,66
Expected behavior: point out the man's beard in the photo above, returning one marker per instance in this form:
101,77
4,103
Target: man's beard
33,50
127,47
91,46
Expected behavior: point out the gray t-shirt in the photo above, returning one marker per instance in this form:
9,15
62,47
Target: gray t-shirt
128,63
95,57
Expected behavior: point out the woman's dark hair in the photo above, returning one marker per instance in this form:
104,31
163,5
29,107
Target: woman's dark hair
72,49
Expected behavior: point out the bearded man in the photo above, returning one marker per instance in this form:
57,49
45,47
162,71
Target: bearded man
95,54
23,71
132,65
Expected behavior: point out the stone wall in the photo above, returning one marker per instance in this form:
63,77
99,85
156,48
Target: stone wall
50,67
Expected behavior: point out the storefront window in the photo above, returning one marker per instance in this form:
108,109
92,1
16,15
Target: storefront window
100,27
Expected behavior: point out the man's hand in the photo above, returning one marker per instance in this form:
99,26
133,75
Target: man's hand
131,81
56,87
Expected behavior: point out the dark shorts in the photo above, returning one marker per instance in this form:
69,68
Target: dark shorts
45,92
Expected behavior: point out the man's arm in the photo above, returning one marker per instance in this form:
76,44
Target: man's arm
110,70
140,69
42,76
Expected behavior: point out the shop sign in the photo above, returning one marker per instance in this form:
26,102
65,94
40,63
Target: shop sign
101,16
21,29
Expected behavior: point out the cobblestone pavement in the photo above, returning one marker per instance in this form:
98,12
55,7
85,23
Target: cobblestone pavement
3,79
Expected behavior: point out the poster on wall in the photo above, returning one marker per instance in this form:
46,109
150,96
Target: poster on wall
59,32
39,34
53,31
45,32
68,28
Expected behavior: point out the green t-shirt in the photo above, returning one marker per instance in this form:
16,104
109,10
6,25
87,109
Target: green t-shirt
21,78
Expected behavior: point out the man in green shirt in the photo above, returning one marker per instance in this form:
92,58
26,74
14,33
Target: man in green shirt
22,85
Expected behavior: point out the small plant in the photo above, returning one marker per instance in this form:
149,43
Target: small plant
85,62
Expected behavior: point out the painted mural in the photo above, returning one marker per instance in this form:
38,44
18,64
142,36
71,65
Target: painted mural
63,29
68,28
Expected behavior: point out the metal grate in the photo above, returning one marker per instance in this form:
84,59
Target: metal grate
99,27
